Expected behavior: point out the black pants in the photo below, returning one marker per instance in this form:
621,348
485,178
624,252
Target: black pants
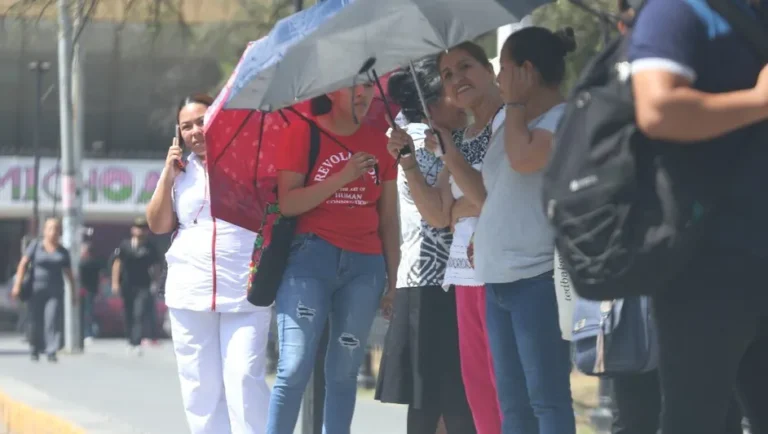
45,322
420,365
713,336
637,405
443,392
139,318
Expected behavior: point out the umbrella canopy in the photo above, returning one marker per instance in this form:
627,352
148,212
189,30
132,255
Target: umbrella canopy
345,38
241,147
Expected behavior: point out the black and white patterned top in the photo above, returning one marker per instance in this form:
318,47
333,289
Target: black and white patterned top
423,248
473,148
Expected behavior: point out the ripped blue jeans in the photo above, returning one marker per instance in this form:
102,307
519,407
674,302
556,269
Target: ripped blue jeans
323,282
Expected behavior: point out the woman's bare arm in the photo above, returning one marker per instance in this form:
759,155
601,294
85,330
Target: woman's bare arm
469,180
463,208
20,270
428,199
389,230
296,199
527,150
160,216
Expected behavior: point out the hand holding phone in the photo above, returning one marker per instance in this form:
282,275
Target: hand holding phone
179,162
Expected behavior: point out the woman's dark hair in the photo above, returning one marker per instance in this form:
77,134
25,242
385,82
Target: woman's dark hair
320,105
545,50
473,50
197,98
624,5
402,88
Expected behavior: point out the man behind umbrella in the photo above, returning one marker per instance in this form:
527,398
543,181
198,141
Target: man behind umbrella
134,263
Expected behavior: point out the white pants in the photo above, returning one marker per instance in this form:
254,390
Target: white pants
222,362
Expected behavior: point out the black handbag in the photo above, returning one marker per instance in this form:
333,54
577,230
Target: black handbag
614,337
269,261
28,281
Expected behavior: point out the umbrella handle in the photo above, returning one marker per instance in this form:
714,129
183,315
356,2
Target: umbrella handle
405,151
424,105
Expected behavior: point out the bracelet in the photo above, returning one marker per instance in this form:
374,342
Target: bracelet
518,105
438,152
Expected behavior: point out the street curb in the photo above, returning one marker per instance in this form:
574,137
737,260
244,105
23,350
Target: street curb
20,418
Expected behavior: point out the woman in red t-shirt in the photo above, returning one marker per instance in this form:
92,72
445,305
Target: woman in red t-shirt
346,250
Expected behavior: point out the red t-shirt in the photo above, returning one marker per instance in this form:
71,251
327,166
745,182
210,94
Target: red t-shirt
349,219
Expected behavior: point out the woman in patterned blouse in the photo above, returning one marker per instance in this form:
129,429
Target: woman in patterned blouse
421,365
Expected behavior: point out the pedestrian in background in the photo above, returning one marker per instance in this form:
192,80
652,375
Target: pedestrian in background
50,263
91,270
219,338
135,261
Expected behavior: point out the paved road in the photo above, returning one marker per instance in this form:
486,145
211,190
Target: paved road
108,390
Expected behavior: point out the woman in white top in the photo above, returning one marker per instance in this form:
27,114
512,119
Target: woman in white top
219,338
514,244
445,204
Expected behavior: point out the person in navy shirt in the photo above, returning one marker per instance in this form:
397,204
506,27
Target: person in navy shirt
698,84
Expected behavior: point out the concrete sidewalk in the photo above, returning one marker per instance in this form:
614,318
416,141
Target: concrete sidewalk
108,390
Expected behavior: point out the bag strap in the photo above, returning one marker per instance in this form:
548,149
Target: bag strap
750,27
314,147
314,151
35,245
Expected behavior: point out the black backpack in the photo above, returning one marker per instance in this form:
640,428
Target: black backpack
624,209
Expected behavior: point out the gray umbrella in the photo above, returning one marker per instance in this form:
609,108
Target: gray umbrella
358,36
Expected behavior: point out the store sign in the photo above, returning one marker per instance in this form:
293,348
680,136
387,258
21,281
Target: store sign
108,186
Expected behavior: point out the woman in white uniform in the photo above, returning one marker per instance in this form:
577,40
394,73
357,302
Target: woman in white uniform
219,338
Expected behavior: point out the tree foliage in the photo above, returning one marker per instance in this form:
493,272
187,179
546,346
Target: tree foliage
588,28
218,28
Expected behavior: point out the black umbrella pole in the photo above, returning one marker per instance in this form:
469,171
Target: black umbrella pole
313,404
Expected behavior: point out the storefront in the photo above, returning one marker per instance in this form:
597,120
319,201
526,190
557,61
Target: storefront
113,193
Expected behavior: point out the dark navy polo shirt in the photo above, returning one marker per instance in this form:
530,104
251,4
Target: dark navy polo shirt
688,38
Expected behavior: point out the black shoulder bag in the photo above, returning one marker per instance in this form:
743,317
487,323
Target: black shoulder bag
267,273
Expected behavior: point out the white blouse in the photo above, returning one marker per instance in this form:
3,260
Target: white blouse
208,261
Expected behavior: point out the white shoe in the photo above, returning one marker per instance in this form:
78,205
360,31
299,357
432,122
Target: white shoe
88,341
137,350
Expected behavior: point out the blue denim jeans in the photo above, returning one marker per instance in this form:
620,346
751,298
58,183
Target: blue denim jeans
323,282
531,360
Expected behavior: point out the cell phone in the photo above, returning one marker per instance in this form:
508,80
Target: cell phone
181,164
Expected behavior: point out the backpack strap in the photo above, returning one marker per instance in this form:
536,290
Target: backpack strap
314,147
747,24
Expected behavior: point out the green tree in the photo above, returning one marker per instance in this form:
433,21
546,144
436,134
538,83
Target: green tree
219,27
587,27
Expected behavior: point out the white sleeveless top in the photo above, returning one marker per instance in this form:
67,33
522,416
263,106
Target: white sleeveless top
459,271
208,259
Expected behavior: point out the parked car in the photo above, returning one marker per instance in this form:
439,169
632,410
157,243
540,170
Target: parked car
109,314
